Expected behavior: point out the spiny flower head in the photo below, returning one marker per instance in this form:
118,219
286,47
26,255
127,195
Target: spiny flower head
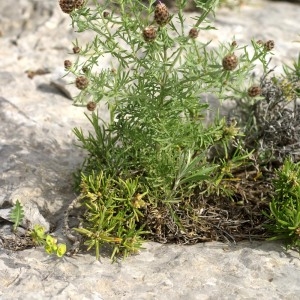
81,82
161,14
230,62
149,33
68,6
254,91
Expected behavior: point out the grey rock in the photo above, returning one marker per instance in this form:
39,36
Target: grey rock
38,157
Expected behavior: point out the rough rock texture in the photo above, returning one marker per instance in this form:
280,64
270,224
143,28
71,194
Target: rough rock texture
38,156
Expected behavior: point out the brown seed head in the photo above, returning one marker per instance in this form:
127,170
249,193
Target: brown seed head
259,42
193,33
161,14
91,106
234,44
149,33
85,69
68,6
105,14
81,82
254,91
67,64
230,62
76,49
269,45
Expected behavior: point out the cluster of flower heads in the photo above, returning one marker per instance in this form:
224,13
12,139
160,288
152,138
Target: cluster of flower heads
161,18
68,6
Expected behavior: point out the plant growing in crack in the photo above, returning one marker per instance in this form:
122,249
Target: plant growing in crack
157,169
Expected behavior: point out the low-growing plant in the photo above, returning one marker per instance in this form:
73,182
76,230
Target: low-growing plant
157,168
37,235
41,238
113,213
285,206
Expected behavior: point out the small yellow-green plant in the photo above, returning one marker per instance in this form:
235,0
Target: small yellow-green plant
37,234
40,238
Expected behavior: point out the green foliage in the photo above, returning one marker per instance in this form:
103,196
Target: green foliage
285,207
113,213
40,238
37,234
17,214
157,152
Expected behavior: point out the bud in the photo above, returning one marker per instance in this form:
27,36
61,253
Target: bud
254,91
230,62
149,34
76,49
67,6
67,64
161,14
105,14
269,45
81,82
193,33
91,106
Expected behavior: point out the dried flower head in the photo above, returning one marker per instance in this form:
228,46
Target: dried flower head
105,14
85,69
234,44
193,33
230,62
269,45
76,49
68,6
67,64
81,82
161,14
254,91
91,106
149,33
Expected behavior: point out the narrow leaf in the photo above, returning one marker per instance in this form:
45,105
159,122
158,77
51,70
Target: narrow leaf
17,215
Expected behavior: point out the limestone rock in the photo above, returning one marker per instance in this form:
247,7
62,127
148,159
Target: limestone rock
38,157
